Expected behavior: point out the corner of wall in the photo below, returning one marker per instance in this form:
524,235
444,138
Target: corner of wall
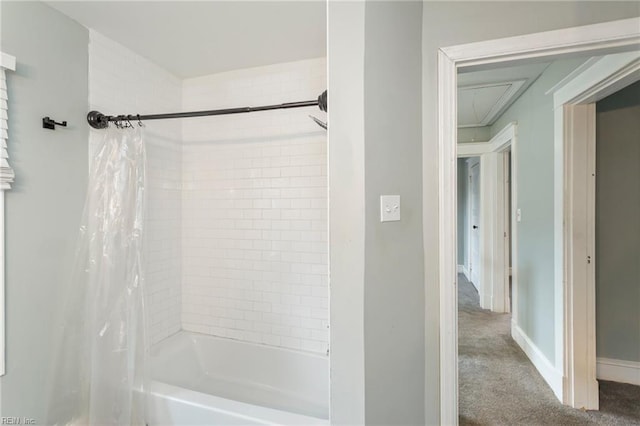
44,207
346,44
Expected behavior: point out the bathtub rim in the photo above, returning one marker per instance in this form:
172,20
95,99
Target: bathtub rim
269,416
167,349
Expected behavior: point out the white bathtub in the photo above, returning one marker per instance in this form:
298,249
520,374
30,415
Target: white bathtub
204,380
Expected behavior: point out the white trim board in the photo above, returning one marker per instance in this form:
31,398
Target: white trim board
601,78
448,315
587,38
569,77
576,246
7,61
501,140
617,370
549,373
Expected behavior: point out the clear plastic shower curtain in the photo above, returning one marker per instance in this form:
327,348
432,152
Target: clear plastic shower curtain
98,367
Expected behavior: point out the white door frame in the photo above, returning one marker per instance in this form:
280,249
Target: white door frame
493,287
575,116
470,161
506,141
507,193
591,39
471,267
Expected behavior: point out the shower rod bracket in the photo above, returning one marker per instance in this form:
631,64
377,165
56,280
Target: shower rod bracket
98,120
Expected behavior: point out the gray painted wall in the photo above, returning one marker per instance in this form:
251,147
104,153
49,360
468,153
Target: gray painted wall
451,23
44,207
463,183
394,286
345,59
474,134
618,225
533,112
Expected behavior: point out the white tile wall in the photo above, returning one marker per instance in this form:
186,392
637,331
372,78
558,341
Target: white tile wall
254,241
237,224
121,82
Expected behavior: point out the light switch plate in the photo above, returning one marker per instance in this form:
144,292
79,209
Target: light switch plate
389,208
518,215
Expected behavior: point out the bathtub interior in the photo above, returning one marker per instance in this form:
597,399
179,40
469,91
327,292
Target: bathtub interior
276,378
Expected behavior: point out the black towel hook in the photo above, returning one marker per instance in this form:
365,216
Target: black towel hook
48,123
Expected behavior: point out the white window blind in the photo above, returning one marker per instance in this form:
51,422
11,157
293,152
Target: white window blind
7,63
6,172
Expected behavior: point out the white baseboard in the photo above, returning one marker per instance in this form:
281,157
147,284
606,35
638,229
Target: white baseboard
546,369
462,269
617,370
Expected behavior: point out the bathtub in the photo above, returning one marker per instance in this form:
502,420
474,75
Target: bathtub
203,380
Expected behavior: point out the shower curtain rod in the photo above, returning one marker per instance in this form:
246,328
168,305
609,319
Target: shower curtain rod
97,120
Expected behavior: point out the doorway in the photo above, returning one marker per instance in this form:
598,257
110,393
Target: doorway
508,229
576,110
474,221
489,252
617,239
595,38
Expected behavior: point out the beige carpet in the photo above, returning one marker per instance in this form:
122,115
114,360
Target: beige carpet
500,386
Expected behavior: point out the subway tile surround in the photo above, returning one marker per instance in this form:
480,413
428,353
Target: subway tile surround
254,216
121,82
237,223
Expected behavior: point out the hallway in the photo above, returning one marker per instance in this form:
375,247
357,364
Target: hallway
498,385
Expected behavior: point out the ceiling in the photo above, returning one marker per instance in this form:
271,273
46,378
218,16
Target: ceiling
484,95
194,38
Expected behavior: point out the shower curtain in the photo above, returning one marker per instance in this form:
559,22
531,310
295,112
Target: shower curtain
98,372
